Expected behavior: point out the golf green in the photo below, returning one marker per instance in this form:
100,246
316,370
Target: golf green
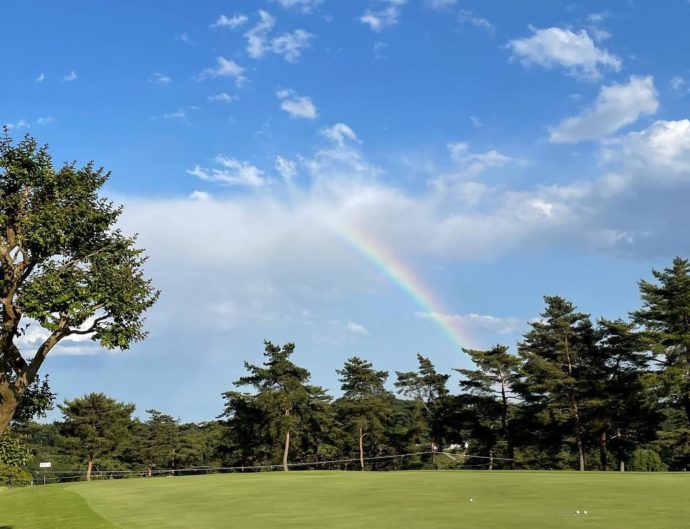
356,500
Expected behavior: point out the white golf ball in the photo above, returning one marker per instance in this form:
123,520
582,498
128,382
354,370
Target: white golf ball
471,499
577,512
584,512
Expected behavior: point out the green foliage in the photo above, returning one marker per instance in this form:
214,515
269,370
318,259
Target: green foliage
646,460
13,476
64,264
96,425
13,449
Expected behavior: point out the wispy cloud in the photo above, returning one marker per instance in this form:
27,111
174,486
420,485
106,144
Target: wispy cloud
232,22
616,105
45,120
232,172
306,6
356,328
222,97
385,13
159,79
71,76
288,45
224,68
560,47
478,21
41,77
295,105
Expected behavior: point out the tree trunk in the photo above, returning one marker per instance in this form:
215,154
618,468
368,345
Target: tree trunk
286,450
505,424
621,466
8,405
578,435
491,459
150,472
361,449
686,405
89,468
576,412
433,453
603,457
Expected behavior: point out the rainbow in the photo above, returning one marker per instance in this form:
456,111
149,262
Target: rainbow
404,278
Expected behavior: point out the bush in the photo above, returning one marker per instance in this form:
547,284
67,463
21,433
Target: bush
13,476
645,460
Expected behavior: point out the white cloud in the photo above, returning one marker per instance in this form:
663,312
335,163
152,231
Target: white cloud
476,121
295,105
159,78
473,321
180,113
560,47
45,120
339,133
616,105
387,13
288,45
380,49
233,172
40,78
71,76
469,17
473,164
200,195
222,97
306,6
232,22
287,169
356,328
21,124
224,68
441,5
185,39
660,153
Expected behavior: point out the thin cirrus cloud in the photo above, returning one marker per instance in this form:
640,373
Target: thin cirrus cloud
616,106
159,79
71,76
556,47
222,97
295,105
288,45
306,6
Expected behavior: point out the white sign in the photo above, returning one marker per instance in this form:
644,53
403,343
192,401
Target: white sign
44,465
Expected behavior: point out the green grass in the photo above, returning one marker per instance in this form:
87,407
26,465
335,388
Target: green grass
357,500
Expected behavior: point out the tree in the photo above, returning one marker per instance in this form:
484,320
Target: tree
283,400
365,403
63,264
161,436
665,315
628,412
428,389
555,353
496,374
97,424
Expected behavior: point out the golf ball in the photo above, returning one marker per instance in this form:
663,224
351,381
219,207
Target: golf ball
471,499
584,512
577,512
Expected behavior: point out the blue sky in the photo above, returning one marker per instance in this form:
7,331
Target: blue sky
499,150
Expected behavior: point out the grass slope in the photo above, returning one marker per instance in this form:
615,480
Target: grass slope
357,500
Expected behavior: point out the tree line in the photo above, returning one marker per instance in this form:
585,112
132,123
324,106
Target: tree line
577,394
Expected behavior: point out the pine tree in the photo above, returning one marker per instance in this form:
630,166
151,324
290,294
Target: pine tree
494,378
665,317
428,389
554,375
366,403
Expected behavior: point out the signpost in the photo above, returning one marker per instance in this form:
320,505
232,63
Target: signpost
44,465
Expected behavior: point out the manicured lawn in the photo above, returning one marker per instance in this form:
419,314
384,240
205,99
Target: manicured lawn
358,500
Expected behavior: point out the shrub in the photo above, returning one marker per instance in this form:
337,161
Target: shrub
13,476
646,460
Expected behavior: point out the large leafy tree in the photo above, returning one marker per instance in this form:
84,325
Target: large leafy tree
63,264
282,404
97,425
556,353
492,383
366,403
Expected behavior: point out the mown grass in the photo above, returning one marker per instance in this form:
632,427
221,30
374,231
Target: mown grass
358,500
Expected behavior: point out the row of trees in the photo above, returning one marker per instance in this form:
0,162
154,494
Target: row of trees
578,394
